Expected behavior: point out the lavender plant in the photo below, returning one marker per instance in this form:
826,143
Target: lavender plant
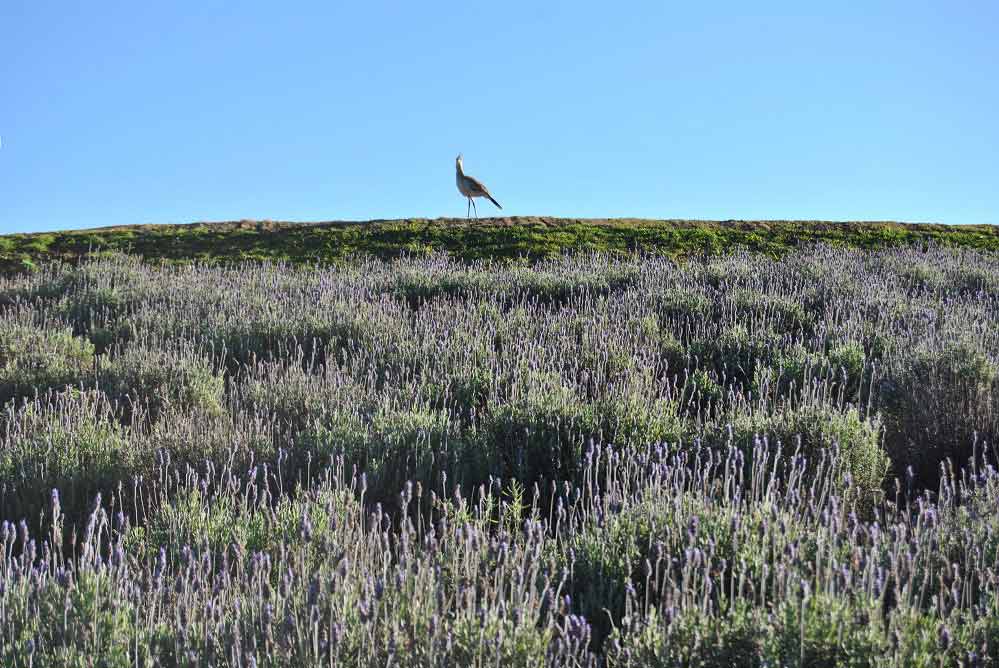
588,461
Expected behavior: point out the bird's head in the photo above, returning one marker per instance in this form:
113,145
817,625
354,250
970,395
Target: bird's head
457,161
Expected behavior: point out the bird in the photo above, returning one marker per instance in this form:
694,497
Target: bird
470,188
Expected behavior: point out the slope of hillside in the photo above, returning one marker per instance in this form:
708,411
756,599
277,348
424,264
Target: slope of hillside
532,237
589,462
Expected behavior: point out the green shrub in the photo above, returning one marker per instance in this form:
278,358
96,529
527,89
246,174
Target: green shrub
673,354
220,518
100,314
701,392
296,397
659,530
735,353
816,429
678,305
394,447
936,400
827,632
780,314
152,380
540,436
690,638
108,633
971,278
34,359
507,642
554,288
818,631
191,437
634,421
794,367
95,304
417,287
848,362
606,559
69,442
926,276
843,365
920,639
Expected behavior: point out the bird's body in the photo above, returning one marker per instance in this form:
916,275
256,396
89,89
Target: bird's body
470,187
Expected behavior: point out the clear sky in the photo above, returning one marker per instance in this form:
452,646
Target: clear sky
120,112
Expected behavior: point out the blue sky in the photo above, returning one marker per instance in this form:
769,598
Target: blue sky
117,113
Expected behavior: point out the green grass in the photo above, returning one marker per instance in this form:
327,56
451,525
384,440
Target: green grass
489,238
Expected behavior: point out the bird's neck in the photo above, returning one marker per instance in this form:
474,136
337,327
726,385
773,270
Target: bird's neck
458,168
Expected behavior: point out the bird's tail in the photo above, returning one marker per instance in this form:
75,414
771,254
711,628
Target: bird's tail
493,201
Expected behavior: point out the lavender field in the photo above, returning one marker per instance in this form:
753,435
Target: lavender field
591,461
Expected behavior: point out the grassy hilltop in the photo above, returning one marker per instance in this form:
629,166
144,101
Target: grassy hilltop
533,237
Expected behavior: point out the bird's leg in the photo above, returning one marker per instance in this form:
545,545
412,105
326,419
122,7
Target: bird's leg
468,209
472,200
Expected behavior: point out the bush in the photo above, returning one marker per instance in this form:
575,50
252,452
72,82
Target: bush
842,367
47,639
820,631
701,392
35,359
634,421
780,314
735,638
922,276
392,448
540,436
658,530
295,397
68,442
826,632
679,306
735,353
936,402
817,430
848,364
194,437
219,518
151,380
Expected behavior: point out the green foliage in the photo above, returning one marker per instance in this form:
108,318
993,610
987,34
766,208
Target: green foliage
735,353
701,391
519,645
540,436
296,397
392,448
844,364
682,304
217,520
48,641
922,275
526,237
795,366
191,436
692,639
35,359
812,431
73,445
848,364
935,402
631,420
151,380
785,315
826,631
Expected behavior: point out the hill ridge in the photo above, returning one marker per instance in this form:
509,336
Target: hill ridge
506,237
